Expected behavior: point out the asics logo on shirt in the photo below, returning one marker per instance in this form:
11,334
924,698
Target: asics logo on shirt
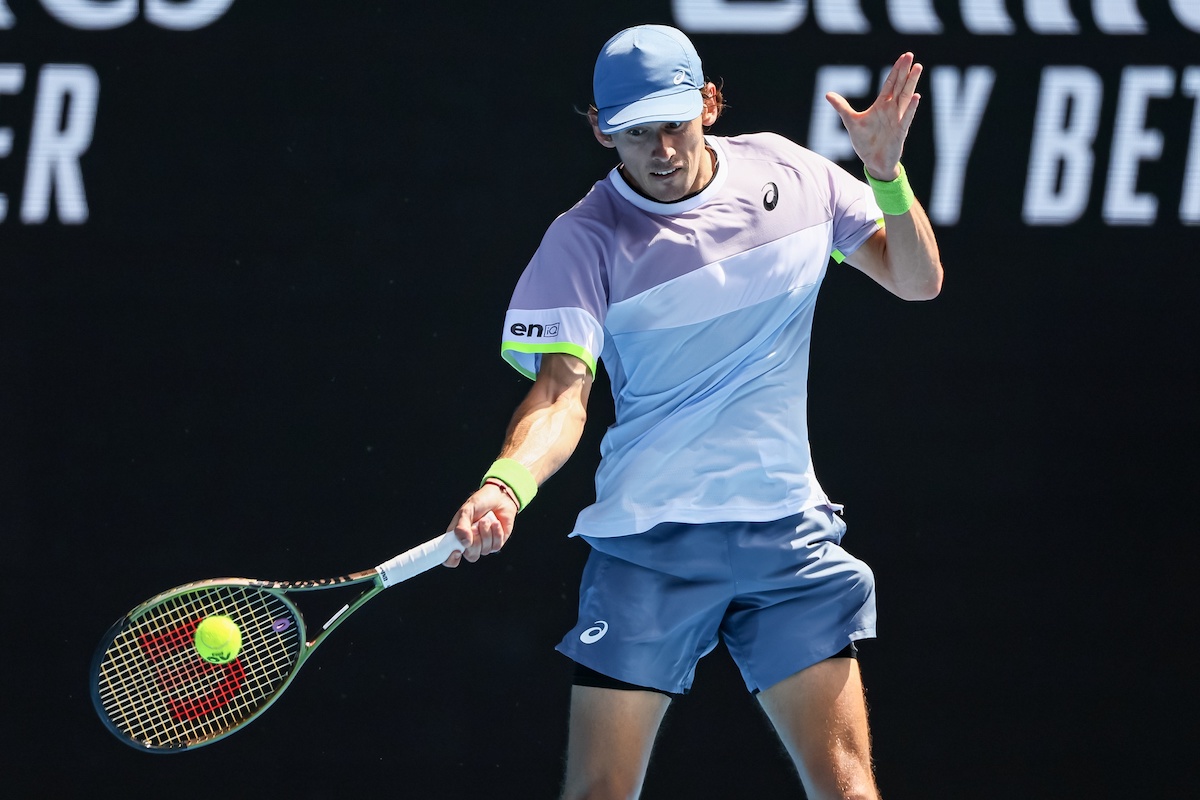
770,196
594,633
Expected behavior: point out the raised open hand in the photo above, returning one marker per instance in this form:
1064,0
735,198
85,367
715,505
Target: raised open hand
878,133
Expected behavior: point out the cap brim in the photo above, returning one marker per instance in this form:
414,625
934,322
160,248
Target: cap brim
674,106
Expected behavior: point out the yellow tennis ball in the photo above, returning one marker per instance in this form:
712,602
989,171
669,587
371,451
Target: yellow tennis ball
218,639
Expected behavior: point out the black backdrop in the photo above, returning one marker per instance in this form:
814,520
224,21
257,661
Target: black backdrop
262,341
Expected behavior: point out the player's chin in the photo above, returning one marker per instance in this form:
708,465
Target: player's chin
667,190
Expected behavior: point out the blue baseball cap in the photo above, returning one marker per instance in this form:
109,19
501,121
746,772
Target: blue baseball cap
649,73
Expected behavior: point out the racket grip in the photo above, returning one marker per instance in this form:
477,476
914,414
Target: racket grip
419,559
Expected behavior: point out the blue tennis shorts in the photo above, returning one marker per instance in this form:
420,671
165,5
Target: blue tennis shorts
783,595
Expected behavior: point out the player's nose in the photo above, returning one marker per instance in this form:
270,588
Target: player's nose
663,148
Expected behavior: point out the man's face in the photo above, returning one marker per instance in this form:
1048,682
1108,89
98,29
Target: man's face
666,161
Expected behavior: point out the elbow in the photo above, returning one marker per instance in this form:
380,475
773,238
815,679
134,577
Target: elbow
927,289
926,293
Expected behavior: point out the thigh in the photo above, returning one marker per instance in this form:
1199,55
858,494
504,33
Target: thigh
820,714
802,597
611,735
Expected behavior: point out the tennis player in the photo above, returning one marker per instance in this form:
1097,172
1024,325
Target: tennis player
691,270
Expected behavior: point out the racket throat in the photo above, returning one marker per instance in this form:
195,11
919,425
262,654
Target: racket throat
336,616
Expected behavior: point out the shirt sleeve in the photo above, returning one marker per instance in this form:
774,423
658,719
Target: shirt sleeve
560,301
856,215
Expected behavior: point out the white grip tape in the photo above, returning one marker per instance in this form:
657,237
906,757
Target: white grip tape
419,559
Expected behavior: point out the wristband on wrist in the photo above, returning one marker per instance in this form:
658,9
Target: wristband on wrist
894,197
516,477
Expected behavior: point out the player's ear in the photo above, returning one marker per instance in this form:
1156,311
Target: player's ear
605,139
711,110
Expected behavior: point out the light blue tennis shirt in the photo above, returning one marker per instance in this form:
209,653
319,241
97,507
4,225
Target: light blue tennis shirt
702,313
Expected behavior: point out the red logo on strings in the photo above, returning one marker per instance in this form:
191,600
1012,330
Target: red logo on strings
184,680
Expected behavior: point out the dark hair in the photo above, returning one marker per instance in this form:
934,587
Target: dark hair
716,95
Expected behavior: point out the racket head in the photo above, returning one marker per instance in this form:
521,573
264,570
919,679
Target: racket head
155,693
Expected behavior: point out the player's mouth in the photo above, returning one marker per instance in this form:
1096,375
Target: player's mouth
664,173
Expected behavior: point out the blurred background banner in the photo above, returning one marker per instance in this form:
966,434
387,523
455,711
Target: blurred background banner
254,260
1097,102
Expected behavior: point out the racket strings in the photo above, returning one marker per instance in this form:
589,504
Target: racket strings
156,689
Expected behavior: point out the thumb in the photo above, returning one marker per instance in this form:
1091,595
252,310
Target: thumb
839,103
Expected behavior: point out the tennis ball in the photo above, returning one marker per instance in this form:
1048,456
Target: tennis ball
218,639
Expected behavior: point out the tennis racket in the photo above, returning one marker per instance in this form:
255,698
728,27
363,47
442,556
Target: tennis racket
155,693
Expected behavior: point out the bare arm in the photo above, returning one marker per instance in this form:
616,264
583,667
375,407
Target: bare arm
543,433
903,258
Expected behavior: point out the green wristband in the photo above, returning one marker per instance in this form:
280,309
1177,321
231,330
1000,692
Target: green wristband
894,197
515,476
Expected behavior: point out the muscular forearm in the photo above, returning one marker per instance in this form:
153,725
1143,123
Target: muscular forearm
547,426
544,431
911,259
543,434
903,257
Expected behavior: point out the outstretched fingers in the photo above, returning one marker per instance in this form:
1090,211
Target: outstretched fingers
879,132
907,96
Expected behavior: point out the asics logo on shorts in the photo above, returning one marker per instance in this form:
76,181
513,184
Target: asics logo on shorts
594,633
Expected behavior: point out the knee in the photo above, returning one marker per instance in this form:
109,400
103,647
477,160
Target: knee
861,786
853,785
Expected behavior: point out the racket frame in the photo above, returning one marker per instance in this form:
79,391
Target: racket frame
395,570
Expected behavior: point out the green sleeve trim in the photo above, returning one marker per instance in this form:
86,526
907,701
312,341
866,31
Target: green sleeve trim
508,351
839,256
